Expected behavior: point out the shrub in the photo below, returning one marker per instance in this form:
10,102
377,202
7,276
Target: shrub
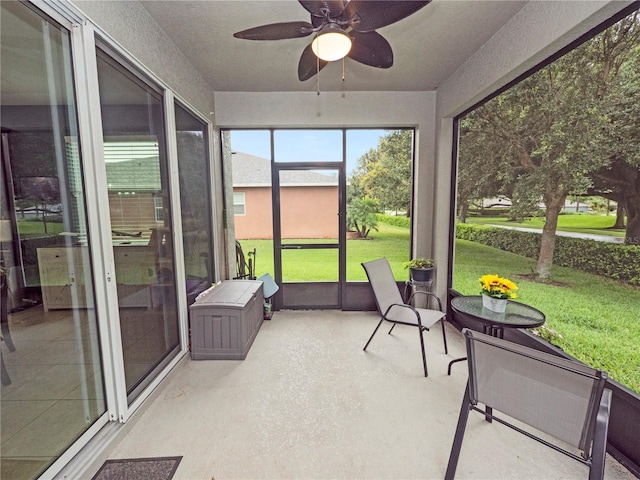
404,222
617,261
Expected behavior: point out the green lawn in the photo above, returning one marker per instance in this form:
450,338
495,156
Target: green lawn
29,228
598,319
581,223
310,265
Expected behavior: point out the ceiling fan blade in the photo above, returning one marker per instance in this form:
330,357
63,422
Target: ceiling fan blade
308,66
276,31
371,48
319,8
365,16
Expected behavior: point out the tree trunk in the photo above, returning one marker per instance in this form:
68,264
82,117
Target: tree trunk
44,218
464,210
619,216
632,233
554,201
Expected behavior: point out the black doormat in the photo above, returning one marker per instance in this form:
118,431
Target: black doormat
158,468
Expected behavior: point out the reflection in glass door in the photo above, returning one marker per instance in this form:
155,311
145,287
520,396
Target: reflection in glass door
141,230
195,202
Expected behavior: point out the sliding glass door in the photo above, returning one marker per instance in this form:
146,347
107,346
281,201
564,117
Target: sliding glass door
140,214
52,374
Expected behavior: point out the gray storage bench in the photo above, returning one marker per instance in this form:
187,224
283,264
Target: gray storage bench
225,320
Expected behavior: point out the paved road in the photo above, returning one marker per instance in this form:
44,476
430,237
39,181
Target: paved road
588,236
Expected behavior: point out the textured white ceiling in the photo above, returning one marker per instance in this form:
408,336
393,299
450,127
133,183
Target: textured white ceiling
428,46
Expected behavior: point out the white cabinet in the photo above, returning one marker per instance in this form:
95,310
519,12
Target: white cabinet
62,277
64,281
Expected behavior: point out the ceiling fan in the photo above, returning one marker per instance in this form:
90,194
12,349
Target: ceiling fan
341,28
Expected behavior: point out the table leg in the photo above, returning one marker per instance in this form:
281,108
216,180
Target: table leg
488,412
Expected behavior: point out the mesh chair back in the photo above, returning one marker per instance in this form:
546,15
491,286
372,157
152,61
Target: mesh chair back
384,285
557,396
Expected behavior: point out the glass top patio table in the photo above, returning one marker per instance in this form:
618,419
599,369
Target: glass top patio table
516,315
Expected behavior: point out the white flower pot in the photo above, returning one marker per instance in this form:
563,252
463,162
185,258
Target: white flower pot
497,305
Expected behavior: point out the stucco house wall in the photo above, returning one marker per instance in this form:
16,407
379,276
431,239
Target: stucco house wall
308,200
256,222
301,216
309,212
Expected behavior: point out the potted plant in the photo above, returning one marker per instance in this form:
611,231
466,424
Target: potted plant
496,291
420,269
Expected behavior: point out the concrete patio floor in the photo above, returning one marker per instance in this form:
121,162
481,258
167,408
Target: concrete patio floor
308,403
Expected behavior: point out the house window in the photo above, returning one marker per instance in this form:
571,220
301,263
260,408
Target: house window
159,209
238,203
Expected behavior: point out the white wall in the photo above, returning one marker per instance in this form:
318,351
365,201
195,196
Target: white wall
131,26
347,109
537,31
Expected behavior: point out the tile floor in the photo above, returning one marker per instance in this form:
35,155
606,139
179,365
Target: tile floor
56,389
53,396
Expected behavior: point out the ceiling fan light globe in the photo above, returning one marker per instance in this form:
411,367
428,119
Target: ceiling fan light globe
331,46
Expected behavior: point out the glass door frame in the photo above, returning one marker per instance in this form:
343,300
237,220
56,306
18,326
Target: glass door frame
355,294
312,288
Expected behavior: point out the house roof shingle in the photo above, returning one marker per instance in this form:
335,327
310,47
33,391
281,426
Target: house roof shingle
251,171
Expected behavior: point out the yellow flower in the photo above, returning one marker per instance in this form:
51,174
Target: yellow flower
497,287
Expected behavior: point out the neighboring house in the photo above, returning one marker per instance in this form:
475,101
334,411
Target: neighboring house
573,207
502,201
499,201
302,192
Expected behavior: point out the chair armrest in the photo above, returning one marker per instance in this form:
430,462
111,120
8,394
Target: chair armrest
402,305
599,447
428,294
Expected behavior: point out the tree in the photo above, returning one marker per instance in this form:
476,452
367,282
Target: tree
620,180
385,173
361,215
478,175
389,179
358,179
552,130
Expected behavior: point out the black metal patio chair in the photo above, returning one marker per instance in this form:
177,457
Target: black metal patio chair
394,310
559,397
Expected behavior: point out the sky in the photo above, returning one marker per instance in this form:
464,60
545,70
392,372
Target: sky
307,145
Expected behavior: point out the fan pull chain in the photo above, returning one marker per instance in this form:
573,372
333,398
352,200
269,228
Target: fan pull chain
318,72
343,69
